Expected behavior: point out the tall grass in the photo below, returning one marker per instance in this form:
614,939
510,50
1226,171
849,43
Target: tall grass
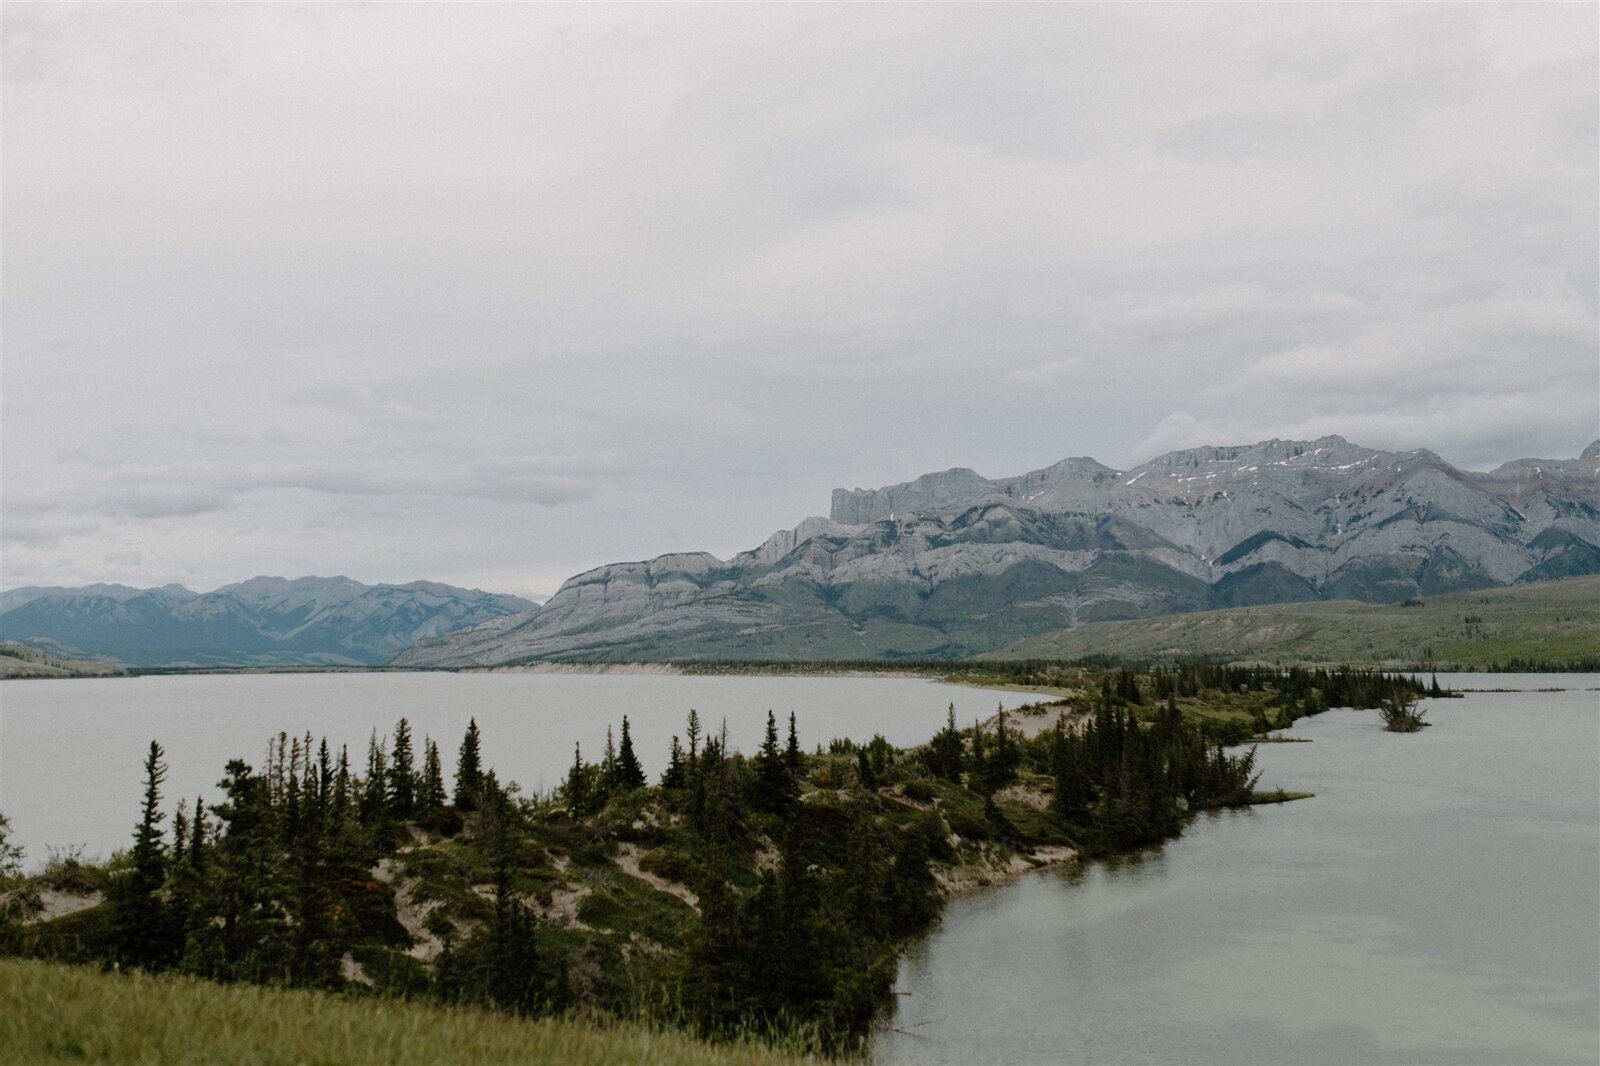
52,1013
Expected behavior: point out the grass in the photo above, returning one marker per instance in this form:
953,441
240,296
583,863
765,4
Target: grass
59,1013
1551,622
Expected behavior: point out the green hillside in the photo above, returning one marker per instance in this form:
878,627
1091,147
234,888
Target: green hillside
1555,623
17,660
59,1013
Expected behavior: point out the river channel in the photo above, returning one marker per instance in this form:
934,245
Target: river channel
1438,901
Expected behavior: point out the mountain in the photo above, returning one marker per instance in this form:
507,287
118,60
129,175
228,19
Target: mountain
263,621
955,564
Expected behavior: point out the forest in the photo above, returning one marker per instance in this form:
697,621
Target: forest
668,901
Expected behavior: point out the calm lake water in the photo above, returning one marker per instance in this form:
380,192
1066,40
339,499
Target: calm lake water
71,751
1438,901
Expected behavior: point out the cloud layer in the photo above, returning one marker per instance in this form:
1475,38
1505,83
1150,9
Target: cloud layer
494,294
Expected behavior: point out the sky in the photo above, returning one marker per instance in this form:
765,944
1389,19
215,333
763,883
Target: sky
494,294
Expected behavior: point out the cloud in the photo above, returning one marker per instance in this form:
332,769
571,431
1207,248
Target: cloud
495,294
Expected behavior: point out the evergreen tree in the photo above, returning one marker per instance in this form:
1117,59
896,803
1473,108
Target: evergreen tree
341,785
513,957
10,854
469,770
141,923
693,733
774,787
945,751
578,789
792,756
629,774
374,807
674,775
402,774
606,779
431,796
238,930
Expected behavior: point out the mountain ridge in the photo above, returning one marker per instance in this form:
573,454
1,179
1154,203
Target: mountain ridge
953,563
260,621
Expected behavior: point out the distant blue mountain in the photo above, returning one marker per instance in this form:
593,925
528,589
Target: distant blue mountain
260,622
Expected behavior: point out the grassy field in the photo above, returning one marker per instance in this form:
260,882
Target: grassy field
1556,621
58,1013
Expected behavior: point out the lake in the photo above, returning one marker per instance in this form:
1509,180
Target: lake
71,751
1438,901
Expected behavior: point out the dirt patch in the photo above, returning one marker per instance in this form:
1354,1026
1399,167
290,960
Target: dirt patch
628,863
1035,799
351,970
411,914
45,904
996,867
1036,719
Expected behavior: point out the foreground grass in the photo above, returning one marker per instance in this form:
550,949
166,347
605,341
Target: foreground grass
58,1013
1553,622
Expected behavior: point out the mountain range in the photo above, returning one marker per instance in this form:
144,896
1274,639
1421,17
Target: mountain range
955,564
264,621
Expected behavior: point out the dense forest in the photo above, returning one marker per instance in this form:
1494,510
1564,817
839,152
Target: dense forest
766,894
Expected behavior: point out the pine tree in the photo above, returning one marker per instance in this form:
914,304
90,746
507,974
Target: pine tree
577,790
791,753
630,775
431,797
674,775
774,784
606,779
693,733
325,785
341,785
374,809
402,774
140,919
945,750
469,771
513,963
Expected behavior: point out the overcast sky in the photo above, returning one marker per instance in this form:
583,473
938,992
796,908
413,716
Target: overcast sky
495,294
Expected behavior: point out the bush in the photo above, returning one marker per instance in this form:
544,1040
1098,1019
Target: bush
666,864
919,790
966,826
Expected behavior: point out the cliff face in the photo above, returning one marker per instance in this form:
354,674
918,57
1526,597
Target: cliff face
954,563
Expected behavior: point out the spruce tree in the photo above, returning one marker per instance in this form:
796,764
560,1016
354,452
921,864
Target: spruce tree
946,749
341,785
469,770
374,809
402,774
673,776
606,779
577,790
791,753
630,775
774,784
139,917
431,796
693,733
